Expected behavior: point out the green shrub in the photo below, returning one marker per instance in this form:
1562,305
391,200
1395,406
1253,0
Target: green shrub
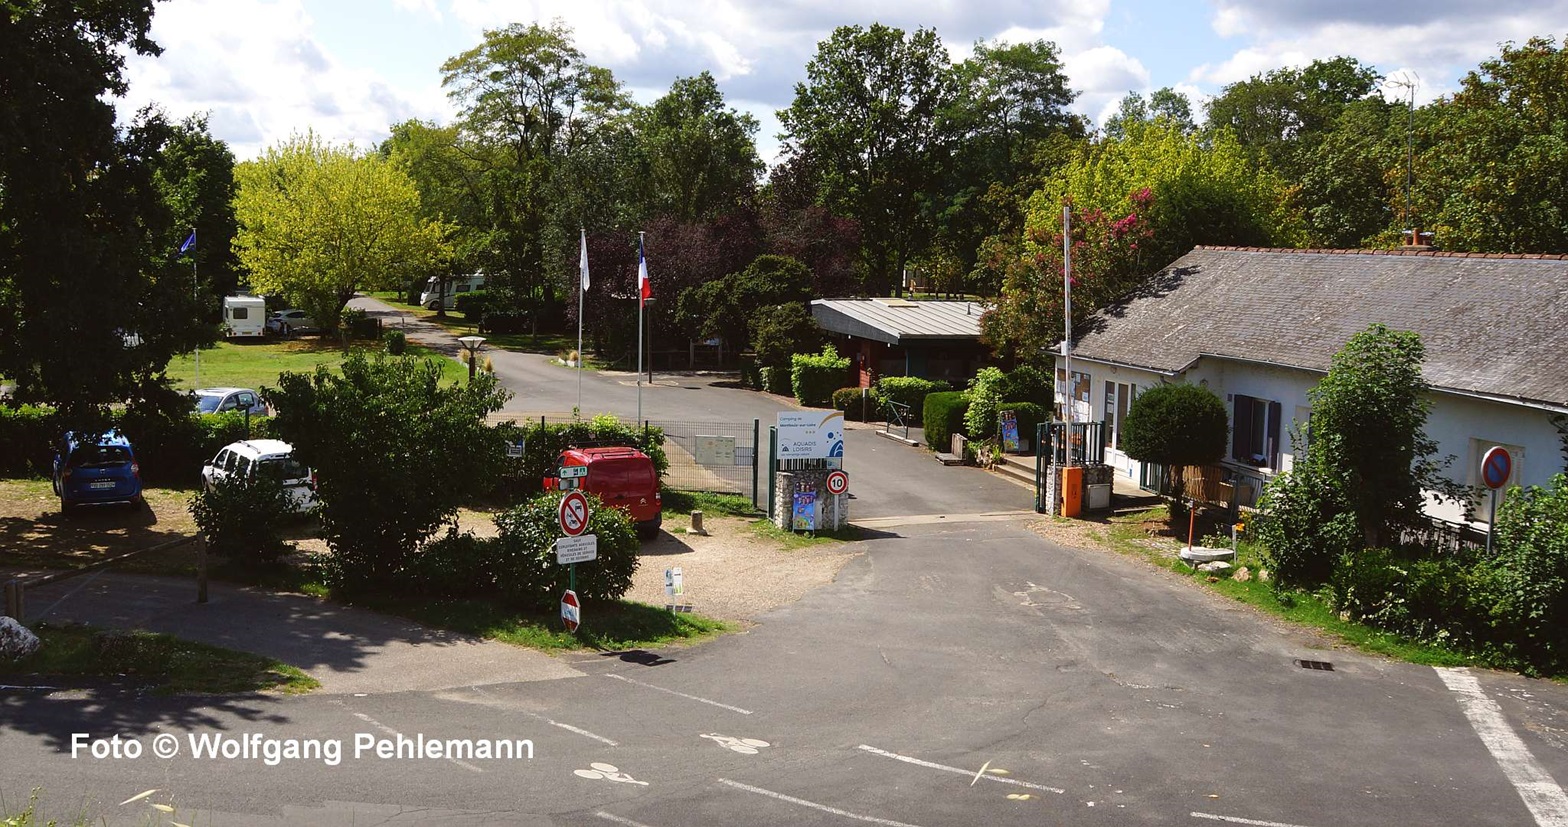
944,416
775,380
452,566
523,560
360,324
397,343
27,437
850,402
240,517
416,288
815,376
1306,526
1027,383
1521,594
542,447
750,372
1026,414
170,449
985,399
474,305
911,391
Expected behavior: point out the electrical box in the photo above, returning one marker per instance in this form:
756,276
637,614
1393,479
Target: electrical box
1099,497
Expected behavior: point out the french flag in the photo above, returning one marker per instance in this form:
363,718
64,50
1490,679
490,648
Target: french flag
644,288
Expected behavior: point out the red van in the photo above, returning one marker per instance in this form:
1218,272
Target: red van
623,478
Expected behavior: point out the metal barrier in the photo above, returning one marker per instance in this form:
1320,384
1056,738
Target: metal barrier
16,588
897,417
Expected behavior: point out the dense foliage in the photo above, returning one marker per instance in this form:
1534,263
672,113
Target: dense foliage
986,392
242,516
542,445
944,416
1176,425
815,376
911,391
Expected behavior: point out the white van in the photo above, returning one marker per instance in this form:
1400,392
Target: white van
270,458
433,299
244,316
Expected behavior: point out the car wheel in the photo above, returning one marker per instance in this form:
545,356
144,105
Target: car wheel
66,507
287,331
433,306
648,531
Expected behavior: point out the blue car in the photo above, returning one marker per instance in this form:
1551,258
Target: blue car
90,470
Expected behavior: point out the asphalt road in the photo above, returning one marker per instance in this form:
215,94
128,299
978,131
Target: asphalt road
1109,693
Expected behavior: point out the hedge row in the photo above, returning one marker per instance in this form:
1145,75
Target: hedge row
857,401
943,417
911,391
815,376
170,452
542,446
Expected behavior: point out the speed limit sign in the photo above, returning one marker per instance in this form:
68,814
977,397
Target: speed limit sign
838,482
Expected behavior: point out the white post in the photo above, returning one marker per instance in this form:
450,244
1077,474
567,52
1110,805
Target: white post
582,290
196,295
1067,324
641,267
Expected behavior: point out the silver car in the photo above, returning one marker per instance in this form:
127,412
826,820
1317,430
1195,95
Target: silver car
224,400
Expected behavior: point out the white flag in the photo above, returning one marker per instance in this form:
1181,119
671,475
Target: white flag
582,261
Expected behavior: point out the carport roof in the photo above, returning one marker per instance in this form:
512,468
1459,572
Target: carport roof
897,321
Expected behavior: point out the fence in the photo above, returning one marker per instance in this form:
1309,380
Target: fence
898,417
1085,443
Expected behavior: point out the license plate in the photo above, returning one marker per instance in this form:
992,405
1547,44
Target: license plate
101,484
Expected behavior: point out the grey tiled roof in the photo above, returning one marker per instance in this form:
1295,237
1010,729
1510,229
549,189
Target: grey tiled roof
896,320
1492,324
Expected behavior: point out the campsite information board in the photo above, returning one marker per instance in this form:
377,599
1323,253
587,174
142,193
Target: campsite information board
812,435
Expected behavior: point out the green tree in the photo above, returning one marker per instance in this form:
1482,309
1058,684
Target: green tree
1176,426
781,331
194,172
728,306
451,184
1162,104
701,155
868,115
395,452
319,222
1353,176
1493,176
1283,113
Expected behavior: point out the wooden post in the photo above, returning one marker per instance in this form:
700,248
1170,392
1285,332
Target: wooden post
14,603
201,570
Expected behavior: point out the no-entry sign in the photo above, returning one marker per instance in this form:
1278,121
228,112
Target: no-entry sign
838,482
574,513
1496,467
571,611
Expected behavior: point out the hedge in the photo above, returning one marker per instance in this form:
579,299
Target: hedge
523,564
169,452
911,391
815,376
850,402
943,417
1027,414
473,305
27,437
775,380
1026,383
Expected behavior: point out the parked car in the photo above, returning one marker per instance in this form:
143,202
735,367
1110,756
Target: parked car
91,470
223,400
623,478
271,458
288,322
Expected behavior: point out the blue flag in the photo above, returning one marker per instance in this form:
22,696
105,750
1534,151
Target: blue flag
189,243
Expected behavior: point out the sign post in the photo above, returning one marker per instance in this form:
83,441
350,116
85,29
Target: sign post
575,547
1496,467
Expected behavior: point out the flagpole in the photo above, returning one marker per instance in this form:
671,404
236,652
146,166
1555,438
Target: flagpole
196,297
1067,322
641,265
582,290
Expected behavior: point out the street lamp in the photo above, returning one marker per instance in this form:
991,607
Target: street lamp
471,344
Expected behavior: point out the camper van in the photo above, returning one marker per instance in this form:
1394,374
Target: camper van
433,298
244,316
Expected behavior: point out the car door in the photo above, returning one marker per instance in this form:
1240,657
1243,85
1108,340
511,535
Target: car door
212,472
246,401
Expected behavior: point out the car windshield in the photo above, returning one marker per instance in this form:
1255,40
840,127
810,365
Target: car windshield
99,456
208,403
281,469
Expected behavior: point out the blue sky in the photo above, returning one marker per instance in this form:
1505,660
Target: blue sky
264,69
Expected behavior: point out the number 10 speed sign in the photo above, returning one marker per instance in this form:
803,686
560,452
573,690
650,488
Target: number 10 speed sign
838,482
574,513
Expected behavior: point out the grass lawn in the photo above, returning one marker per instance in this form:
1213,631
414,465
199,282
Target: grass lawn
166,663
615,626
1130,535
258,364
550,344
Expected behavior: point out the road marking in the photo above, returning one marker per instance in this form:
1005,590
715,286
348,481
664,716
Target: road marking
1234,820
395,734
536,716
928,519
814,805
1540,793
70,594
682,694
943,767
619,819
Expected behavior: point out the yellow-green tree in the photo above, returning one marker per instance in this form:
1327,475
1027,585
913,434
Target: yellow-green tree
318,222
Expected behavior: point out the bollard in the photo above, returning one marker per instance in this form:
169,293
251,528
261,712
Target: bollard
696,524
201,570
14,591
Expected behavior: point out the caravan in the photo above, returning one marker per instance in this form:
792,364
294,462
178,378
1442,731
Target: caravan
244,316
434,298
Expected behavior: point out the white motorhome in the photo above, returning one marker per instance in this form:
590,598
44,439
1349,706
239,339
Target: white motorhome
434,298
244,316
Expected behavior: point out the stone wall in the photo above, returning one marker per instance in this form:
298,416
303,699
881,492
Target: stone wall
832,511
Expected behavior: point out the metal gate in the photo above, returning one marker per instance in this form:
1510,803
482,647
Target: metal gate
720,457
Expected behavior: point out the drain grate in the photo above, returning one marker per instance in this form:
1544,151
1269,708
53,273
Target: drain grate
1316,665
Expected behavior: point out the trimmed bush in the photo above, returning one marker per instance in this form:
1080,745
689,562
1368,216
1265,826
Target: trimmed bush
452,566
240,516
911,391
1027,414
27,437
815,376
473,305
523,556
495,321
775,380
985,399
361,325
850,402
397,343
943,417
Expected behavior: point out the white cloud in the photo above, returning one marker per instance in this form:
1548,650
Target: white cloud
258,68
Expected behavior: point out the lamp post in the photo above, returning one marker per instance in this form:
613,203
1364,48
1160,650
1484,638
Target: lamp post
471,344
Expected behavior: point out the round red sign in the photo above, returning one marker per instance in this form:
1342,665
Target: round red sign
838,482
1496,467
574,513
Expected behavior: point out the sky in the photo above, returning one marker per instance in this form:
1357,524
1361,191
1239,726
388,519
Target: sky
264,69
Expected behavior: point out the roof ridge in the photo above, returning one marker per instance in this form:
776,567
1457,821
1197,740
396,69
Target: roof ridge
1386,252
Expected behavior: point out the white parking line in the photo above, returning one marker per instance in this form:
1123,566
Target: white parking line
619,819
1540,793
536,716
943,767
682,694
1234,820
814,805
395,734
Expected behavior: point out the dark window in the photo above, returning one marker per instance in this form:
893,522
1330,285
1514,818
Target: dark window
99,456
241,313
281,469
1255,431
